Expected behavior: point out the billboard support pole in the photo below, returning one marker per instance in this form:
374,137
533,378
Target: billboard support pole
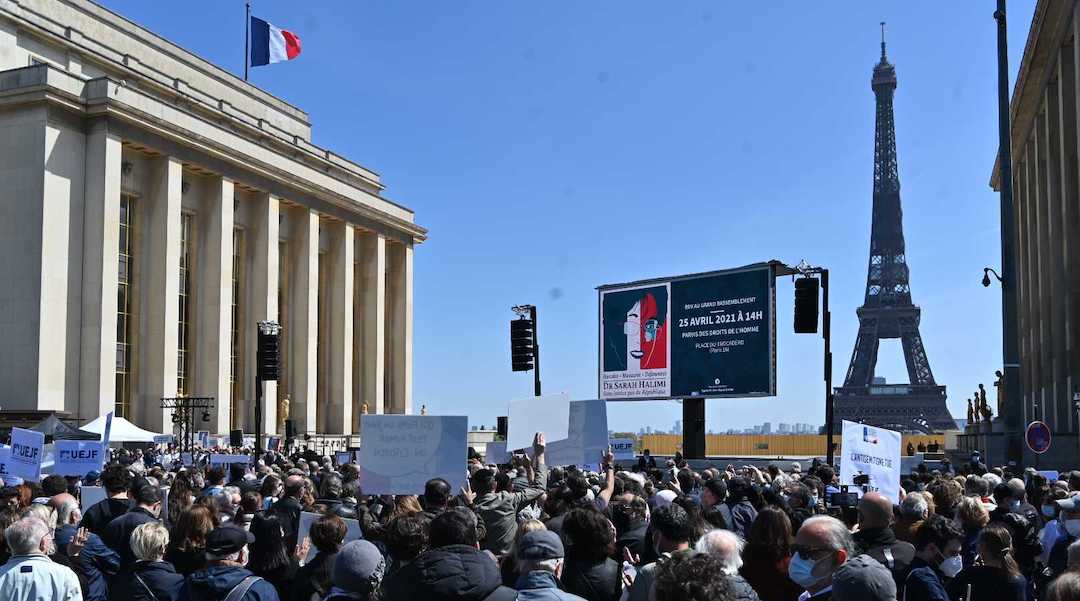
693,428
826,333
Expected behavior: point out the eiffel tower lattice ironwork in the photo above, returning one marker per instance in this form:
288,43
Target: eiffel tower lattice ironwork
887,311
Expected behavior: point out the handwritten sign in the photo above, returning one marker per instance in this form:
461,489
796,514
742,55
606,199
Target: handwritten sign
402,452
27,453
587,436
77,457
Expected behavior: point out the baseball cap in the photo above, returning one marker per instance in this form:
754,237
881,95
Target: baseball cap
863,578
226,540
540,544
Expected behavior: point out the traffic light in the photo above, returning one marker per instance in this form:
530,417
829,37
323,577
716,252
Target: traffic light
267,355
522,343
806,305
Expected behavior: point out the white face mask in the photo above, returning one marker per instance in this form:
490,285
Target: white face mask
1073,527
951,566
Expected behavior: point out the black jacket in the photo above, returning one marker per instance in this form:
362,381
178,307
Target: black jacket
101,513
159,582
451,573
633,539
1025,536
186,562
593,581
876,541
288,511
312,581
118,533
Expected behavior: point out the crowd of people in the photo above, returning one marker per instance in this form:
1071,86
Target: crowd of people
533,532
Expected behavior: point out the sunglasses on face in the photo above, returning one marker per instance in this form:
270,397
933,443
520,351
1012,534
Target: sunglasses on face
808,552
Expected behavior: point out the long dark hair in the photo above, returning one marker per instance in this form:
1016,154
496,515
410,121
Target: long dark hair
997,540
770,534
268,552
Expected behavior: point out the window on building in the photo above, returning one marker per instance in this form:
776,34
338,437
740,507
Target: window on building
125,342
183,336
236,343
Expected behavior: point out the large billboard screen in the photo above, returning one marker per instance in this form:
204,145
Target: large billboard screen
704,335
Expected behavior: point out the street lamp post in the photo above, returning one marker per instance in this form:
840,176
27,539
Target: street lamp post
1009,341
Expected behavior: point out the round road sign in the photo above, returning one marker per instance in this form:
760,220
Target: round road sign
1038,437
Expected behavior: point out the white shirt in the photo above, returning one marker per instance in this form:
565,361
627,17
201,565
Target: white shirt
37,578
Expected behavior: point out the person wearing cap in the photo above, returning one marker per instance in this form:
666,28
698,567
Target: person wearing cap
540,559
1069,517
863,578
226,556
357,573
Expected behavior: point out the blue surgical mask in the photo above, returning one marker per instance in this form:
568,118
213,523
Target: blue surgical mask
1048,511
801,571
812,503
1014,506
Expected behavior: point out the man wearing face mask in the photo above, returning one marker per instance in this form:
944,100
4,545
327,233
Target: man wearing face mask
876,538
1069,517
822,545
937,559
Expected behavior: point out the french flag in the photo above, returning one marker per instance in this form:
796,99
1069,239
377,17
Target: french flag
271,44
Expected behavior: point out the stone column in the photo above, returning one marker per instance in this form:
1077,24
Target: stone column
1054,271
160,283
399,331
262,291
370,324
213,333
101,242
339,410
1070,89
304,300
1045,290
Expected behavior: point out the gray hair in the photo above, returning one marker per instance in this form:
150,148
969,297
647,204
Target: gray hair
24,536
42,512
540,565
149,540
726,546
976,486
836,533
66,510
914,506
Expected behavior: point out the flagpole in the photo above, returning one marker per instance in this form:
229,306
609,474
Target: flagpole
247,36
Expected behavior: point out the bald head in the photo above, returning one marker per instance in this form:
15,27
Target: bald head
294,486
875,511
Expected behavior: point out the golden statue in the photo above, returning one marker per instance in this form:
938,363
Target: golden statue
423,409
363,409
282,412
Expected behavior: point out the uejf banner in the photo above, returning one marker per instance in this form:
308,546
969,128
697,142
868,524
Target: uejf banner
875,452
27,452
77,457
706,335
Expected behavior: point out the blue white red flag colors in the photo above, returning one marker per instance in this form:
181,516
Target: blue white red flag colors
270,44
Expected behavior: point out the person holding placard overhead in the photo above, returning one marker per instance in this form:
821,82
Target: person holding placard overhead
499,509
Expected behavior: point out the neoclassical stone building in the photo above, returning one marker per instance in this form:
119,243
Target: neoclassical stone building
154,208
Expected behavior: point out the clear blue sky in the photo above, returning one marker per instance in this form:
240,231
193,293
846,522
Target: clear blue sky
551,147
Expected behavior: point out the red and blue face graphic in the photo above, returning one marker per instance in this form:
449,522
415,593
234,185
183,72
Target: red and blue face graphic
635,330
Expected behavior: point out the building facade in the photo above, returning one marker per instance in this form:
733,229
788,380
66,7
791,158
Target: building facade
1046,180
155,208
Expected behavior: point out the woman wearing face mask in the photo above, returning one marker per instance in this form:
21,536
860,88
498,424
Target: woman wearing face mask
937,560
1069,517
996,575
1052,528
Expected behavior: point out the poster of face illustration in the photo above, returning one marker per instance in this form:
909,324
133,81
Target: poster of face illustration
634,349
704,335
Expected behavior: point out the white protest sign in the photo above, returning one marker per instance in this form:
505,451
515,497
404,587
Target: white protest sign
91,495
587,436
163,439
27,453
77,457
549,414
223,459
5,454
402,452
623,448
874,452
495,453
203,438
307,518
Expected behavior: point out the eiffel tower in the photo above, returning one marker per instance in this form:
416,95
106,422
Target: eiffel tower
887,311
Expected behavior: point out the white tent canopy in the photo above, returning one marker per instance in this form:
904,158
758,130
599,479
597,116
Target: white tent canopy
122,430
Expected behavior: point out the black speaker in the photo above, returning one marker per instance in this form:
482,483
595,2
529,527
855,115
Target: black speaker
522,341
236,438
806,305
290,429
501,426
266,356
